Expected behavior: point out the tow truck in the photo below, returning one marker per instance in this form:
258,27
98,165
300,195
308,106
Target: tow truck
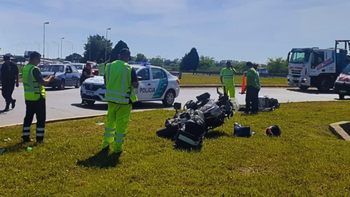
314,67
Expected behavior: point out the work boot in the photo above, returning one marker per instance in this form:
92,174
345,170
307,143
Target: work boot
105,149
13,103
39,140
7,108
26,139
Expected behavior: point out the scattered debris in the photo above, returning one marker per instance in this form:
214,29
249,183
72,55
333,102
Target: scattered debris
8,139
29,148
100,123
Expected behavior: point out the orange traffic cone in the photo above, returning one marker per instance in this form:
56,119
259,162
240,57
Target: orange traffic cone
243,84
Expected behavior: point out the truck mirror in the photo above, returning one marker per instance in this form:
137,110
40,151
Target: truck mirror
177,105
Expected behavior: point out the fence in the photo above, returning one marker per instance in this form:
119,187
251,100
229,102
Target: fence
177,73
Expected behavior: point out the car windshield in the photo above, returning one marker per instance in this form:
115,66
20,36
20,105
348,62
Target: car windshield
346,70
299,57
78,66
53,68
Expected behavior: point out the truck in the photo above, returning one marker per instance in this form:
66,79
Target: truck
315,67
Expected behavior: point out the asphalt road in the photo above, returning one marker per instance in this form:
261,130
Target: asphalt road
66,103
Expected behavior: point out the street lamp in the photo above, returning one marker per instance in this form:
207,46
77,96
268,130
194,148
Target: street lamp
106,42
72,49
61,46
46,23
58,49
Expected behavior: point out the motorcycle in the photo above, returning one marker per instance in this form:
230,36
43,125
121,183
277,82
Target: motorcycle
188,128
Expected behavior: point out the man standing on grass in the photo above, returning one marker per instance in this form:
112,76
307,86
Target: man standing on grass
120,81
9,71
252,86
226,78
34,95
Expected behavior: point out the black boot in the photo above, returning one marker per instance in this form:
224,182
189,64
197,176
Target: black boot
7,108
13,103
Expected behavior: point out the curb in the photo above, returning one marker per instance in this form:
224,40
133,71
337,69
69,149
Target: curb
339,131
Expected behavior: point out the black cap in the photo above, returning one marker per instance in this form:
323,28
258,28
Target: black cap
124,51
249,64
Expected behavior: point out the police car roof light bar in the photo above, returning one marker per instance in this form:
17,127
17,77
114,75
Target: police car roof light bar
141,63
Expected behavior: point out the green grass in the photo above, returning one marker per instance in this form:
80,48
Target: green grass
307,160
215,79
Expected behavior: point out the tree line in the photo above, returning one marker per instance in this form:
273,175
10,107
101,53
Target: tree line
97,47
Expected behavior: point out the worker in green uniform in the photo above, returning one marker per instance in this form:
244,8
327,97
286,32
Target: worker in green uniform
252,86
227,79
120,81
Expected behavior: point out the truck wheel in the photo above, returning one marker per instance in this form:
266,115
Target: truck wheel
341,96
324,84
303,88
169,98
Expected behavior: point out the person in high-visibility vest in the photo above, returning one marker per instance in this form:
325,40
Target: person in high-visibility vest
34,96
227,79
251,99
121,81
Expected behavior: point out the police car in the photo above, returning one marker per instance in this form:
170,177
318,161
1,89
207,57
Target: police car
155,83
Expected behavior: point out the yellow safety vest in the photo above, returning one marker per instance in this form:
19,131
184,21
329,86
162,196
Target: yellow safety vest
227,75
118,83
32,89
101,69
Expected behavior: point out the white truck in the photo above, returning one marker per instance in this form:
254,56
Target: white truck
314,67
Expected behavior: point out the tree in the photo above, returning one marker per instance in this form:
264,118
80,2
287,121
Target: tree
75,57
117,48
157,61
190,61
278,65
141,58
95,48
206,63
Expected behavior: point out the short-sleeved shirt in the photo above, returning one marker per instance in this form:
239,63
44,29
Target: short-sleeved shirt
251,73
9,72
227,75
37,75
83,77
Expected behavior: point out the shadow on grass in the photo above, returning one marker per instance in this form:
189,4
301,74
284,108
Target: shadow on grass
101,160
20,146
215,134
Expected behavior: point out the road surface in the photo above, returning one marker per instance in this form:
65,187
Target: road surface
66,103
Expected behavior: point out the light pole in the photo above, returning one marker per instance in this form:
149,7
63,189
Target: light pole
58,49
46,23
72,49
106,42
61,46
38,45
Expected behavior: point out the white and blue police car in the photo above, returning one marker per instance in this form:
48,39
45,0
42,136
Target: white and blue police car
155,83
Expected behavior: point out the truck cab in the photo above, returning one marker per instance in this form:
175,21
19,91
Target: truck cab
314,67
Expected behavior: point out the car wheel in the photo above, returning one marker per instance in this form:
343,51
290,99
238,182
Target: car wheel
77,84
62,85
341,96
169,98
90,103
303,88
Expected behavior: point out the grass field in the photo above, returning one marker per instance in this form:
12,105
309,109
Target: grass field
215,79
307,160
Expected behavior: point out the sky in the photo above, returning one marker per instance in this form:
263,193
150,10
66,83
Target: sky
243,30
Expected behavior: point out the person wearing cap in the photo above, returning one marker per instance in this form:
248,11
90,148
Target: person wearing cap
9,79
252,86
227,79
120,80
34,96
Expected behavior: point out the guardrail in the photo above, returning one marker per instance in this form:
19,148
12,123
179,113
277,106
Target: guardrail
177,73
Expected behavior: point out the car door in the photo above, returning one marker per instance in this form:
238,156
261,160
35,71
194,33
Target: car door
68,76
75,75
144,90
159,82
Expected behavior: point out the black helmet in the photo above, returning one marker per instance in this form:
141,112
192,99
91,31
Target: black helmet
273,131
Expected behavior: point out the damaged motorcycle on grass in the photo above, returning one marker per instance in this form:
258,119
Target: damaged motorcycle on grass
189,127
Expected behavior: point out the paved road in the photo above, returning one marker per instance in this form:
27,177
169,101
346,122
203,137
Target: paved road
66,103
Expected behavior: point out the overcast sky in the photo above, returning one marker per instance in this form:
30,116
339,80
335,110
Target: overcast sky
224,29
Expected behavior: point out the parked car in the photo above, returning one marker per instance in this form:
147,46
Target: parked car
65,75
155,83
79,67
263,72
